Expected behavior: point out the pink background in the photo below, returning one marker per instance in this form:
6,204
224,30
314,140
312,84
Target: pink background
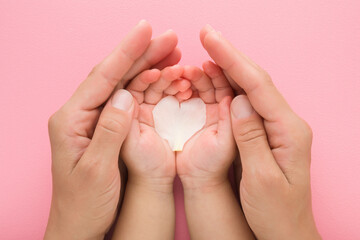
311,49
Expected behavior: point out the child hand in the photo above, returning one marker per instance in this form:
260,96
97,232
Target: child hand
207,156
147,156
148,209
204,162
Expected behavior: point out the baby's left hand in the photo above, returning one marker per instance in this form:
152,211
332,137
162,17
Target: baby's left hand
148,157
207,156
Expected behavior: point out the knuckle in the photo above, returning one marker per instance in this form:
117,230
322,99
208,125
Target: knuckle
267,177
250,133
58,119
90,169
266,78
98,71
94,70
52,121
263,79
111,125
299,134
307,131
303,130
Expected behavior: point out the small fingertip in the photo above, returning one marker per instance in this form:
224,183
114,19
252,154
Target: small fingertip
184,85
209,68
155,75
173,72
182,96
192,73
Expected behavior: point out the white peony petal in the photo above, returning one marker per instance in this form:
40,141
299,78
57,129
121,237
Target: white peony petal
176,122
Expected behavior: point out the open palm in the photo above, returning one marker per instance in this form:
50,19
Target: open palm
213,147
144,152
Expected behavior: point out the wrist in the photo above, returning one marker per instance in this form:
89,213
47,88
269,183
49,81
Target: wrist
153,184
199,188
308,230
305,228
63,224
203,183
61,227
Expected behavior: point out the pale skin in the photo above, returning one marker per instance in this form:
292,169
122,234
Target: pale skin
148,211
88,132
148,208
212,211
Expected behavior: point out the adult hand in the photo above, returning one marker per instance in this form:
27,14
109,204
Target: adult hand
86,137
274,145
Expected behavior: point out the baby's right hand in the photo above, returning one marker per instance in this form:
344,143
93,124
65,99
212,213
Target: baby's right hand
207,156
148,157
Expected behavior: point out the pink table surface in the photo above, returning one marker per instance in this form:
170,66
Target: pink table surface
311,49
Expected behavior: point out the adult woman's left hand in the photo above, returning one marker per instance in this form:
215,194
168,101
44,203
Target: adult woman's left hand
86,137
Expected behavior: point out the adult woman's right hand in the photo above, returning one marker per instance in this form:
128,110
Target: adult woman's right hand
86,135
274,145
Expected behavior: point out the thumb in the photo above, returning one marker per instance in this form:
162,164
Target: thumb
112,128
224,125
251,139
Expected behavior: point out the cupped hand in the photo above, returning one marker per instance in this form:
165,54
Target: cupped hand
274,145
207,156
148,157
87,133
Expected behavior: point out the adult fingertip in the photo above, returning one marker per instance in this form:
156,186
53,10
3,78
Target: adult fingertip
241,107
206,29
123,100
211,39
142,22
146,26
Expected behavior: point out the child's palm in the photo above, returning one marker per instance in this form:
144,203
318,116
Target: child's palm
210,151
144,152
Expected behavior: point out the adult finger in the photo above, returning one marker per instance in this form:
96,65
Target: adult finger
170,60
110,132
250,136
101,82
159,48
262,93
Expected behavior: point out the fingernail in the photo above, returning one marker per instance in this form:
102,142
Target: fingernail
141,21
241,107
122,100
210,28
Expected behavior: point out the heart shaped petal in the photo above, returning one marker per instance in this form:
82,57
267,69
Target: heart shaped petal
177,122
